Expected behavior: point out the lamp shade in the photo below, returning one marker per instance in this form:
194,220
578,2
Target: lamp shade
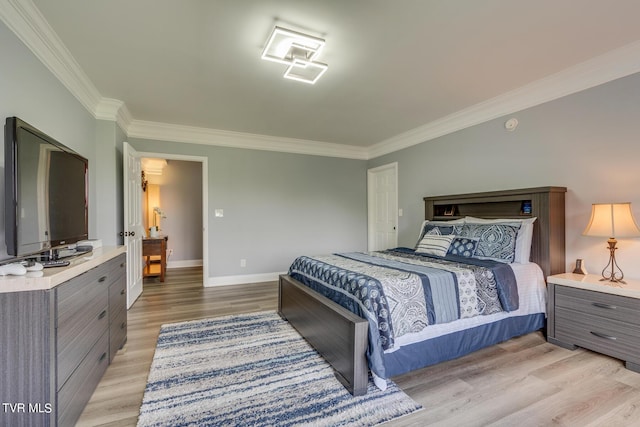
612,220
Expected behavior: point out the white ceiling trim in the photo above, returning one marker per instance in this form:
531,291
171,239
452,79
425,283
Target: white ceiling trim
612,65
204,136
114,110
26,21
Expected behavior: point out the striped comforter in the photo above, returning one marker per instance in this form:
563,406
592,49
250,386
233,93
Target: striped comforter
400,291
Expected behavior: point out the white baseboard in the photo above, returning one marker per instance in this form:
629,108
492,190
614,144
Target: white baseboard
184,263
238,280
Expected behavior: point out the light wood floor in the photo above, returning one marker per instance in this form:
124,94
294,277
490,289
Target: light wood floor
522,382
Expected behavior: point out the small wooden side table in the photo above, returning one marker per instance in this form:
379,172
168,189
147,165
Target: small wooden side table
152,246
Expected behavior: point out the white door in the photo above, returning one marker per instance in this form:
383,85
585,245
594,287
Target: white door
133,229
382,189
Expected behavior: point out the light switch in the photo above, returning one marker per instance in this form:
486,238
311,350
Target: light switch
400,212
219,213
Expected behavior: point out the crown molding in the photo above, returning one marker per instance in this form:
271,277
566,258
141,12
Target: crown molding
114,110
612,65
108,108
204,136
153,166
25,20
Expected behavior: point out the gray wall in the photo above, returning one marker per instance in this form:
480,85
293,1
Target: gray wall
108,171
588,142
276,206
29,91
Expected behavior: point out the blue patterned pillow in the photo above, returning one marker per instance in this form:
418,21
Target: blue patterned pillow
439,229
495,241
435,231
463,246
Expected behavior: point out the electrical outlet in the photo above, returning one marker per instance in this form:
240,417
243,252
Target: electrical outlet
243,263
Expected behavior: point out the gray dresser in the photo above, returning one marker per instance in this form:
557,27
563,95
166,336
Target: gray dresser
56,343
599,316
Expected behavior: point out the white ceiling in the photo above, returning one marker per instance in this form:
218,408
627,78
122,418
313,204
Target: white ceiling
399,71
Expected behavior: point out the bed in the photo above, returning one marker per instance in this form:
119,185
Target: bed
458,290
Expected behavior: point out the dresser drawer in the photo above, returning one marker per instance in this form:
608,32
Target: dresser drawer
609,306
607,336
118,292
82,308
116,268
117,332
72,296
77,338
75,394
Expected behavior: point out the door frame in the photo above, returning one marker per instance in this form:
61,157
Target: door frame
371,189
205,200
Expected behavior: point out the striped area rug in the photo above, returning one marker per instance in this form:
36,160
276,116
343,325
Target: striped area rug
253,370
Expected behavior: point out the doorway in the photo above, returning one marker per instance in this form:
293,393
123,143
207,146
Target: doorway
382,200
173,214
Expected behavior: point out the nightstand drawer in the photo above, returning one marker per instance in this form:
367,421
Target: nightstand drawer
618,339
599,304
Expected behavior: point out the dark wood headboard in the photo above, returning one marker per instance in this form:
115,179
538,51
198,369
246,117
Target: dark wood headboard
544,203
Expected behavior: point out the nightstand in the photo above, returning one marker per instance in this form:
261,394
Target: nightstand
599,316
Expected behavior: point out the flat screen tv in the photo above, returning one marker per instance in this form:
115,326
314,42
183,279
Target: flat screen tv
46,189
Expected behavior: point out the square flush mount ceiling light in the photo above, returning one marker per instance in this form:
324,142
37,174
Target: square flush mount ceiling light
298,51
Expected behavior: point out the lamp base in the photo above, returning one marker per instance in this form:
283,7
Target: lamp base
612,275
613,281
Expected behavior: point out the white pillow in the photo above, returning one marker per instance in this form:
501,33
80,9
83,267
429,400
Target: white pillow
523,240
435,244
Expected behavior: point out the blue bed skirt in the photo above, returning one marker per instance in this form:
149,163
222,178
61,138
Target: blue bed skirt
457,344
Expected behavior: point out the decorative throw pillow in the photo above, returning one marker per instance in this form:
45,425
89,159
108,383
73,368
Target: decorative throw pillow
525,234
495,241
435,245
435,231
463,246
445,227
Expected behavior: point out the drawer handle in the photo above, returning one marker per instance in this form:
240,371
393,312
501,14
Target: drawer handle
607,337
104,313
102,357
607,306
124,325
122,292
102,279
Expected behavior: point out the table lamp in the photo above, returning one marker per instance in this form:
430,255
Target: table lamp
612,220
